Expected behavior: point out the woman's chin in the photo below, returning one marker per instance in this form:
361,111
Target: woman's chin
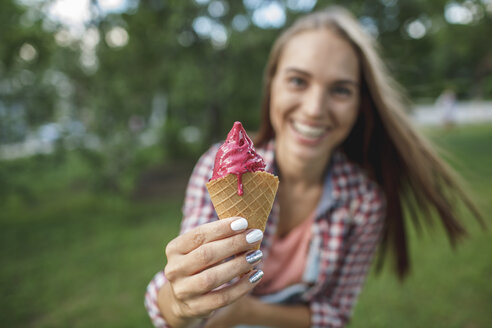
299,154
308,155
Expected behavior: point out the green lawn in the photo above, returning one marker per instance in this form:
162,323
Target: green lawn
446,288
72,258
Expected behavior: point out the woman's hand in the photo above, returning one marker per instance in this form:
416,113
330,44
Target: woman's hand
195,268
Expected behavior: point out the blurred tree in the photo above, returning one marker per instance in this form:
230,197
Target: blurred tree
27,96
180,72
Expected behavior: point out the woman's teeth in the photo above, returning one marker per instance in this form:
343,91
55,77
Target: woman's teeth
308,131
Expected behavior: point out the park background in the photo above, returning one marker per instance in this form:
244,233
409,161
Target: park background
106,105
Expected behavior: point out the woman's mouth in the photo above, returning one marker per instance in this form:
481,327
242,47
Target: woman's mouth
309,132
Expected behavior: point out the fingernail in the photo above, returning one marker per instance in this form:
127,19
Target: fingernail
239,224
255,277
253,257
254,236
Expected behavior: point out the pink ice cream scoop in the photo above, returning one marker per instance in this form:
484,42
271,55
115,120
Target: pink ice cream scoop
237,156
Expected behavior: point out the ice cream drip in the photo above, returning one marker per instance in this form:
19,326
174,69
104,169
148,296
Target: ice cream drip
237,156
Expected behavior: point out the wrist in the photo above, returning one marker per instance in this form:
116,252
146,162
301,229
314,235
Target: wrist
170,311
249,311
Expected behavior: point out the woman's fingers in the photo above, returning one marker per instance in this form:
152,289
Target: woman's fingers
211,253
206,304
207,280
206,233
194,269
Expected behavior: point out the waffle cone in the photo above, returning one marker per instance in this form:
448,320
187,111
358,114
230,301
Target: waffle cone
259,189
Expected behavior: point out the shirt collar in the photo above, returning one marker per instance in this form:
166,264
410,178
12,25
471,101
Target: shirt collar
268,154
335,177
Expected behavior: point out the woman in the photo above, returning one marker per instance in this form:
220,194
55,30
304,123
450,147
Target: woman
333,129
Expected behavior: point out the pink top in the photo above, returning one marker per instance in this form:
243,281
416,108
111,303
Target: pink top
287,259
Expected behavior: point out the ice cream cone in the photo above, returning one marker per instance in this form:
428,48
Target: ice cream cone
259,189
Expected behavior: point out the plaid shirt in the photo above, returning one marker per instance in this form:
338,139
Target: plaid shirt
345,234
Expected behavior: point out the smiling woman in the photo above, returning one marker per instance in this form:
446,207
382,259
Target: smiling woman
315,99
334,130
382,140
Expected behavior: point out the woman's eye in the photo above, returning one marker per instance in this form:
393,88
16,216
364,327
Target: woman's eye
342,91
297,82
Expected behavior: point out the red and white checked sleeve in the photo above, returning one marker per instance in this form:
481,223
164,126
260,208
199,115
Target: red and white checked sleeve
151,300
197,209
333,306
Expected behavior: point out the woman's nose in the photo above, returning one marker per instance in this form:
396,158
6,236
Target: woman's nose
315,102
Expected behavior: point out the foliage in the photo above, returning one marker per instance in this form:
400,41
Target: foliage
26,99
195,85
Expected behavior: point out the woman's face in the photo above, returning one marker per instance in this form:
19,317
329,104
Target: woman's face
314,96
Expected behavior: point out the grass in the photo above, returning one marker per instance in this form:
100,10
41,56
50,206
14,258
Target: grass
73,258
446,288
81,260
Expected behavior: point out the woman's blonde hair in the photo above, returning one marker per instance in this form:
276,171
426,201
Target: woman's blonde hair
383,141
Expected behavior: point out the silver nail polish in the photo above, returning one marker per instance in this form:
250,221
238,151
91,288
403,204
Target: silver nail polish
254,257
255,277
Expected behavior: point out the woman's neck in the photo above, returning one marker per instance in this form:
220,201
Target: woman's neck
301,174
